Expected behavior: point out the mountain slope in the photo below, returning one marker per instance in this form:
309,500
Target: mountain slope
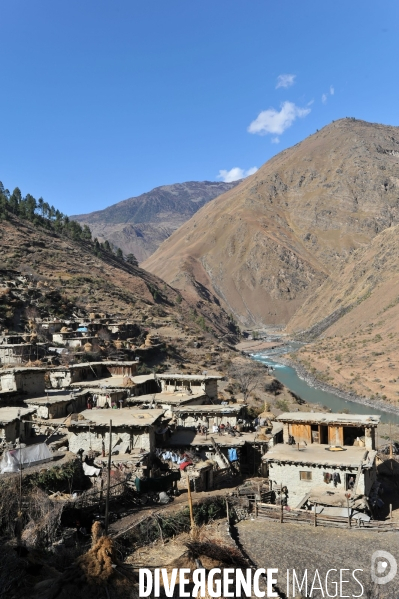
355,315
140,224
99,283
266,245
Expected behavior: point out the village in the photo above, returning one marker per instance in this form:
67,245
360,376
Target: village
138,439
156,423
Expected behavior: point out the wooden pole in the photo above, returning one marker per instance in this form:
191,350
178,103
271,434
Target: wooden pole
315,514
282,510
227,512
190,502
390,512
108,479
19,520
20,464
390,444
349,517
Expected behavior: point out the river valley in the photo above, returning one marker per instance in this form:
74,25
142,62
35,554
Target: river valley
314,393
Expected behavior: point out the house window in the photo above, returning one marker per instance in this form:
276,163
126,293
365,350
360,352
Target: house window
305,475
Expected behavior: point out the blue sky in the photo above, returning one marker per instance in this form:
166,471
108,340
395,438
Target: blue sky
103,100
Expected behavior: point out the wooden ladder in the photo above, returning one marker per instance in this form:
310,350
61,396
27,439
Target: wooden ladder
224,458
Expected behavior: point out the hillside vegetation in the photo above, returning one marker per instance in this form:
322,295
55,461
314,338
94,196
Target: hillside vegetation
66,274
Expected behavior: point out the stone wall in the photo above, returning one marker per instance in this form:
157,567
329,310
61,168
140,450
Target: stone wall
31,382
11,431
208,387
289,475
59,378
211,389
133,438
26,381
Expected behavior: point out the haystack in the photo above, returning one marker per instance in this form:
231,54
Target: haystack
97,573
267,415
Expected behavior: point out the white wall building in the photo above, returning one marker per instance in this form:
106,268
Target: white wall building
132,429
189,383
323,452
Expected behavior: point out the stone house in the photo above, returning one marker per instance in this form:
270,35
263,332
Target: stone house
88,372
317,467
18,353
72,338
143,384
189,383
108,395
52,326
15,424
208,415
200,476
323,454
168,401
132,429
57,405
23,380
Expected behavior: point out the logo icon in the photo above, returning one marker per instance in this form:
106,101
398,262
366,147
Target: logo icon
383,567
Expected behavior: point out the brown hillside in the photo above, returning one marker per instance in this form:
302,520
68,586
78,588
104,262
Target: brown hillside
355,313
139,225
267,244
98,283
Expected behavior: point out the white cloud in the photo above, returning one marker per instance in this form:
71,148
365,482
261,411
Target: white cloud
236,173
275,140
285,80
324,97
274,121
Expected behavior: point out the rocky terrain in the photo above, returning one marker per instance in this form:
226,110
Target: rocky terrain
354,322
140,224
267,245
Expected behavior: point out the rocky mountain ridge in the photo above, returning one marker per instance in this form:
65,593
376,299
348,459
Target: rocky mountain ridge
140,224
265,246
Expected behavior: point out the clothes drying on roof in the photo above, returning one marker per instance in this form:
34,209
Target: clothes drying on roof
232,453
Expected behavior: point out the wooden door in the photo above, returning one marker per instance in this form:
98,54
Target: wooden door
301,432
335,435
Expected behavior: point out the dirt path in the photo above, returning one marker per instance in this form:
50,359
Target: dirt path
292,546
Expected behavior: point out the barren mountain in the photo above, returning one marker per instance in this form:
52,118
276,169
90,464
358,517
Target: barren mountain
265,246
355,315
140,224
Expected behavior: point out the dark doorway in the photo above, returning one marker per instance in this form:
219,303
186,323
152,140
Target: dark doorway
351,433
